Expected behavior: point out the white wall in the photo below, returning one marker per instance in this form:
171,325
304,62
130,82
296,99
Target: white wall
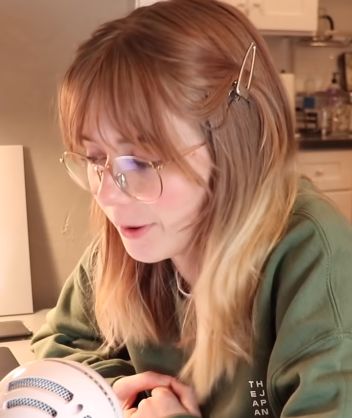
37,40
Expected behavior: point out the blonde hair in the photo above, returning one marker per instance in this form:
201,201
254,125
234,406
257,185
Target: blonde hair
181,57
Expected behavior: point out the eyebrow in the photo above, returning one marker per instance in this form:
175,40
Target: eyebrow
121,141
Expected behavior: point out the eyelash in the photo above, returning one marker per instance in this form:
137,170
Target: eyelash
97,159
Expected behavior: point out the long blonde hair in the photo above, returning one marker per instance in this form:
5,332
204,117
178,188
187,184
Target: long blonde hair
181,57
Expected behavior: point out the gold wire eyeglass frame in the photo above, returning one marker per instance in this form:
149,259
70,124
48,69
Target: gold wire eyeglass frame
119,178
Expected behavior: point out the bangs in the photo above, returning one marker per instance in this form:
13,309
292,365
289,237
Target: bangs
131,90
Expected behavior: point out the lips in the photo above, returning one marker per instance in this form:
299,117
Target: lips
134,232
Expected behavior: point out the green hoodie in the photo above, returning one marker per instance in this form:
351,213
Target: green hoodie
302,363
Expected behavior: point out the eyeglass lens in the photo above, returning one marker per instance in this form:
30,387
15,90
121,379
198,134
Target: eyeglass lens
135,177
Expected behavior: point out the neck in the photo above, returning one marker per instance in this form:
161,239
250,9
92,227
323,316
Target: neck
186,268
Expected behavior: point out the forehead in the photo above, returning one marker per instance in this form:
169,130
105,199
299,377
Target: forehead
101,129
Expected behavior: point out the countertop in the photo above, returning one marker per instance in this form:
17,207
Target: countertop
315,141
21,347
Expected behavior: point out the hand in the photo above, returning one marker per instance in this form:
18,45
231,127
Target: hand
168,396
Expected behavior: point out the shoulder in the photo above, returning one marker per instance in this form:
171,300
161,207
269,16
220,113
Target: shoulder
315,212
307,280
315,229
82,278
306,289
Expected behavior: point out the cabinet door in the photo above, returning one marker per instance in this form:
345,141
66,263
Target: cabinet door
343,202
288,16
329,170
274,16
242,5
140,3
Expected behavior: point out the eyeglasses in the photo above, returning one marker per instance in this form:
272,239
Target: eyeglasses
136,177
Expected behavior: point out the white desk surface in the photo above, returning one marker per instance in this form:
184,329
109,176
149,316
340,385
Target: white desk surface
21,348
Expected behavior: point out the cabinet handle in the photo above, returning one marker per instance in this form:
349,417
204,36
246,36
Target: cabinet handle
319,173
257,3
243,6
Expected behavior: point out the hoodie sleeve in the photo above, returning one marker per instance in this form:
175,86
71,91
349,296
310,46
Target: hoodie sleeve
71,331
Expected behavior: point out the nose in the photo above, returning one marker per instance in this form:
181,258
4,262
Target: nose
109,193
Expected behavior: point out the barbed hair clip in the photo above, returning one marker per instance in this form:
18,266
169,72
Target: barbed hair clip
238,88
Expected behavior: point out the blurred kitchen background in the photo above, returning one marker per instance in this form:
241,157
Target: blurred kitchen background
311,44
319,70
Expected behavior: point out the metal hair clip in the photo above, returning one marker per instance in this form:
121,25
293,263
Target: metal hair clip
238,89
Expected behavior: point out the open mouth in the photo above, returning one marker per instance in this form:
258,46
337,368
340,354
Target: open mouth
134,231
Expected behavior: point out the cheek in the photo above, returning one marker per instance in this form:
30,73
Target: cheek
182,194
181,197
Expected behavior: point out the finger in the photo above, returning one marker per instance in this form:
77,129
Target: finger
160,390
127,388
129,413
164,392
166,402
127,402
187,397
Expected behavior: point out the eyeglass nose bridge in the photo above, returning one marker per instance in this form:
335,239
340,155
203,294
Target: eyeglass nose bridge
100,172
119,179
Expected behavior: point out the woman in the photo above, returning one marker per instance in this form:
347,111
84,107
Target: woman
219,281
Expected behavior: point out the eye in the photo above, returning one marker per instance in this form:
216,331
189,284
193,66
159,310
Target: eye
132,164
139,164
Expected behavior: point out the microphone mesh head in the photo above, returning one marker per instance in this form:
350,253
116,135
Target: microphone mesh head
38,382
31,403
57,388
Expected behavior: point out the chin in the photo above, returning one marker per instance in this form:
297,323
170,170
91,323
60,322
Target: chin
146,258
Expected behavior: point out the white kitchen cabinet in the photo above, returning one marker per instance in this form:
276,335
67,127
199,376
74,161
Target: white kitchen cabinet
331,172
275,16
281,16
343,201
140,3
